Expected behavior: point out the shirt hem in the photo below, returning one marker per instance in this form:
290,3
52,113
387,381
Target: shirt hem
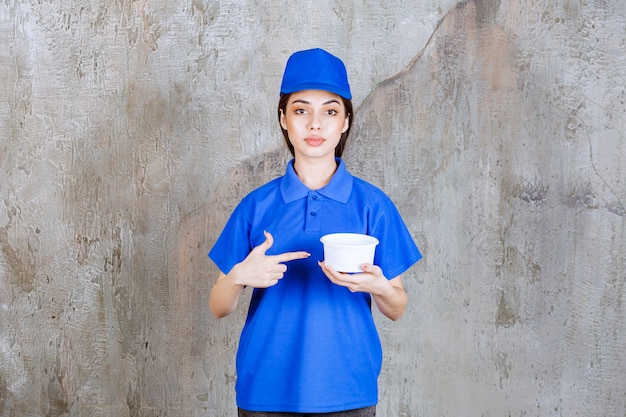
285,408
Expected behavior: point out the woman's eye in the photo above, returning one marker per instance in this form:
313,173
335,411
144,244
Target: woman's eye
299,111
332,112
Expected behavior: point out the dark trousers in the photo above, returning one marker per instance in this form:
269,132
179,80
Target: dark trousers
359,412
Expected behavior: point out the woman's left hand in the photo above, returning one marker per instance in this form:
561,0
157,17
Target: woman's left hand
371,280
389,295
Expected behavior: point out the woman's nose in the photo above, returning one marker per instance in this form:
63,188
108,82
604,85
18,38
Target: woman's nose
315,122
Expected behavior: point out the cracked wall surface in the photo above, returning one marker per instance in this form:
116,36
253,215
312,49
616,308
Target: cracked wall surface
129,130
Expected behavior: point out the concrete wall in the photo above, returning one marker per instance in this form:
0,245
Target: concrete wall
130,128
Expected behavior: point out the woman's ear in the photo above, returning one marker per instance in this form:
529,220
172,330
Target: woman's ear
346,124
283,124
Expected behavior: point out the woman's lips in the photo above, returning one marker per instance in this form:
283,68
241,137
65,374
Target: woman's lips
314,141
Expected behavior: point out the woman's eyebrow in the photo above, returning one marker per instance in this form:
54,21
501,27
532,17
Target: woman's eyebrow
301,101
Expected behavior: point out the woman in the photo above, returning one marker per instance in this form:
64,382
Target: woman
309,345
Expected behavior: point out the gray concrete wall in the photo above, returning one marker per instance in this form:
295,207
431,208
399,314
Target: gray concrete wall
129,129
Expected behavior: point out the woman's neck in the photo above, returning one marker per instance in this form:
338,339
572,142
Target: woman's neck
315,173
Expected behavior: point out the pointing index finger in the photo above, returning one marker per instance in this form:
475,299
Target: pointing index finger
290,256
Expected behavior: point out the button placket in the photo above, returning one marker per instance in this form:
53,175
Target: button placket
313,210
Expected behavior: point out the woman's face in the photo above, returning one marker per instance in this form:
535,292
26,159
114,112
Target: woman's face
314,121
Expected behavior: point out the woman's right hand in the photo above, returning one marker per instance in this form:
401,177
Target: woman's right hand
259,270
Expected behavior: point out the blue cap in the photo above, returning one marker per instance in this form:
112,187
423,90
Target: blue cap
315,69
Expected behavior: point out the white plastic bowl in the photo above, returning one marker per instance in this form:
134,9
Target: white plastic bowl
346,252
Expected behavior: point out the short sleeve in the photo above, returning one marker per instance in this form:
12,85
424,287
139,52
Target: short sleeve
396,251
233,244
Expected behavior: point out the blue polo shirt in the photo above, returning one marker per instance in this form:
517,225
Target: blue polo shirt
308,345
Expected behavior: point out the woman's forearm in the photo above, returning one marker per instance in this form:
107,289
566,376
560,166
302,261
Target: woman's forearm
224,296
392,300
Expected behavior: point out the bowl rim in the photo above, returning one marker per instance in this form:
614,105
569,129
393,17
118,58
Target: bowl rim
327,239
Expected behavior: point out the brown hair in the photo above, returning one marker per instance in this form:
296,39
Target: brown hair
282,108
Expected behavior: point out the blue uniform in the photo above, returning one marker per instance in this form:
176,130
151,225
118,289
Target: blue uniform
309,345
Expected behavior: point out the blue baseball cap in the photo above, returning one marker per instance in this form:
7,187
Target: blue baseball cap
315,69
